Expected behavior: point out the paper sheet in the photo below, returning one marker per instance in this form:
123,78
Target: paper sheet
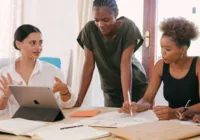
19,126
53,132
186,122
116,119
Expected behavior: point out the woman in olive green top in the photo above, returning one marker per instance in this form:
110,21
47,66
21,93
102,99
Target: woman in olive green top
110,43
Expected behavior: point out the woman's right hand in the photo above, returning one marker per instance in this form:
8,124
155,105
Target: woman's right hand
4,85
127,107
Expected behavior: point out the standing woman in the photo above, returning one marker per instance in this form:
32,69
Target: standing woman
110,42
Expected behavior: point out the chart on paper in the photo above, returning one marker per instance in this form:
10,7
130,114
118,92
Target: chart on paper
116,119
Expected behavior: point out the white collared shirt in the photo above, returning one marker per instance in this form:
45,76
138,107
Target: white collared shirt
43,76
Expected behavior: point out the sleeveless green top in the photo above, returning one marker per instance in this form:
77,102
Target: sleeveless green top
107,53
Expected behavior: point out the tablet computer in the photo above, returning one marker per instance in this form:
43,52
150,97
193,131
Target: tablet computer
36,103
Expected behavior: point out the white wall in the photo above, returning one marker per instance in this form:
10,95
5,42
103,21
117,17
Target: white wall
57,20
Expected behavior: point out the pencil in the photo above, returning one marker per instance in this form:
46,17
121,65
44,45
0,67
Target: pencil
129,100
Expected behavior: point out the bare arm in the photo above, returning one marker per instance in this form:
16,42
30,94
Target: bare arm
145,103
87,73
126,71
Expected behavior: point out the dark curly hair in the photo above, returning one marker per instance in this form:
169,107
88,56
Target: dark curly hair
110,4
179,30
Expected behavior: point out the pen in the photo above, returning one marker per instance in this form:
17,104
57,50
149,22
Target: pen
186,105
68,127
129,100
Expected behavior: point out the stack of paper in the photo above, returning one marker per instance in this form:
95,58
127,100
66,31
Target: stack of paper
116,119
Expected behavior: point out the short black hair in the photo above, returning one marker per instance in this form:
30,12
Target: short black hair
22,32
110,4
180,30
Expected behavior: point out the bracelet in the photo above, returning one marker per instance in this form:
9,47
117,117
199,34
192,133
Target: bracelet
64,93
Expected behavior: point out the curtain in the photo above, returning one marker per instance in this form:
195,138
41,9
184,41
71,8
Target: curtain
94,95
10,19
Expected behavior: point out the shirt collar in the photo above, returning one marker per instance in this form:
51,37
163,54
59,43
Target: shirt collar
37,68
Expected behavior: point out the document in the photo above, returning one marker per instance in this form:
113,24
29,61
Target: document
19,126
116,119
44,131
68,132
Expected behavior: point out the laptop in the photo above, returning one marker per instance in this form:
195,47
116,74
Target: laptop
36,103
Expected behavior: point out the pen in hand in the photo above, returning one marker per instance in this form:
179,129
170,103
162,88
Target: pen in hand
129,100
185,108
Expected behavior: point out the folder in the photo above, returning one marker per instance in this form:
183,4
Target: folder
85,113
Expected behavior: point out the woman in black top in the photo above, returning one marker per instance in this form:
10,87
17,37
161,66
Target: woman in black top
179,73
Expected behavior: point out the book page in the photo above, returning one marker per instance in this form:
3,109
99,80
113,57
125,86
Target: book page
54,132
19,126
116,119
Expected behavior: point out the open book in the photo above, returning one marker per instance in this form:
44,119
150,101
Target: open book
19,126
37,129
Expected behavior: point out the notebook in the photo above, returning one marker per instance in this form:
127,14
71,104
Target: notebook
41,130
55,132
85,113
159,130
19,126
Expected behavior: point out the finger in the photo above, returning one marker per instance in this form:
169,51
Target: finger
178,115
160,112
57,80
121,110
9,78
2,89
181,110
126,105
3,84
4,79
157,108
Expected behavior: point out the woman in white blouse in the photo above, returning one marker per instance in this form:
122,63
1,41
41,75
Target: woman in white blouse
28,70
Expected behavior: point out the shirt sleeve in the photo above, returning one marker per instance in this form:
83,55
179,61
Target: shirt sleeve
71,102
84,37
132,35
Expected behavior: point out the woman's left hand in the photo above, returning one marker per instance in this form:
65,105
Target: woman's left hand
164,112
59,86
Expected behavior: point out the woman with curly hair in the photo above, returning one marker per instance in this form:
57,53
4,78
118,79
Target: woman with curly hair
179,72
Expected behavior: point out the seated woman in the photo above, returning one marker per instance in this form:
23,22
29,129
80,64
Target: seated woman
179,73
28,70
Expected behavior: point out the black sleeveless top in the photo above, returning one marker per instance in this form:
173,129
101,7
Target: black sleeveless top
178,91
